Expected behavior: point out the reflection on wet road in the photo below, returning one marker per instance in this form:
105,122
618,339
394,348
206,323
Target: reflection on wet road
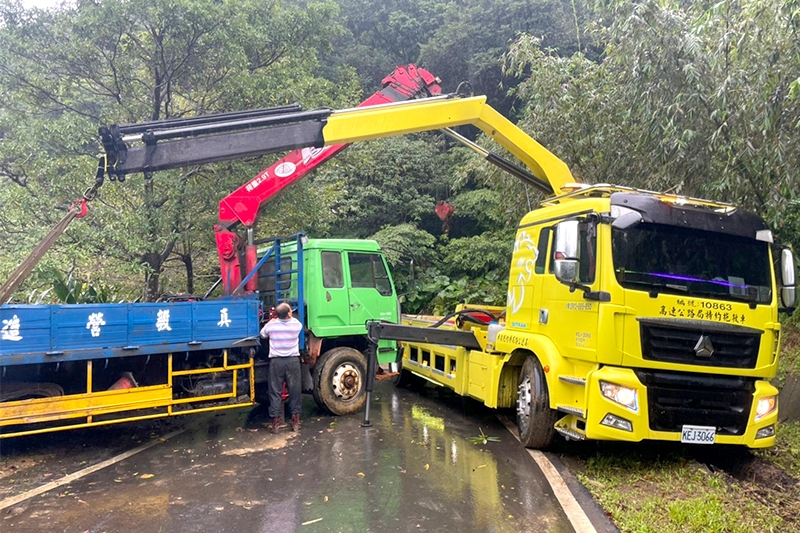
414,470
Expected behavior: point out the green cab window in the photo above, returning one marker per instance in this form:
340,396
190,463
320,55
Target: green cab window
368,270
541,258
332,272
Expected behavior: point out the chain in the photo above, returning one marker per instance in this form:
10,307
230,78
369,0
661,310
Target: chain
91,192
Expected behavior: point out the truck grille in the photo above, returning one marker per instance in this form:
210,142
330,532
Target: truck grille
678,342
677,399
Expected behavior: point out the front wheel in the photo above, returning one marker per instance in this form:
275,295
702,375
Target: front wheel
535,420
340,381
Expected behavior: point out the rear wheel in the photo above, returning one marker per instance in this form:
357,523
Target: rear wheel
535,419
340,380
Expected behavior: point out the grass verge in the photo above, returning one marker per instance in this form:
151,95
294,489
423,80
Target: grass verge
664,489
668,488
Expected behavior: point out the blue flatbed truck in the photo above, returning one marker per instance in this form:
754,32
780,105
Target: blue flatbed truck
68,366
187,356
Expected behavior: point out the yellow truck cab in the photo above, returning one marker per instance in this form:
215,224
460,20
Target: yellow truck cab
631,315
650,316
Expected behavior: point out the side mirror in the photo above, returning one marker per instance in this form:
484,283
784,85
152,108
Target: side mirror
565,251
788,280
626,219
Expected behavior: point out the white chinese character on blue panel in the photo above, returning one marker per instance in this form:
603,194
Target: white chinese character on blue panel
223,318
162,322
94,323
10,331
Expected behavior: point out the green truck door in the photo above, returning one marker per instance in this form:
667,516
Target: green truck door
334,312
371,296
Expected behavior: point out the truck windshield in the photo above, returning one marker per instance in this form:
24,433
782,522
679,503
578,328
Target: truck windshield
668,259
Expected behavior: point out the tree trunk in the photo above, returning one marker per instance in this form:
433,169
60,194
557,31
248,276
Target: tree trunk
187,261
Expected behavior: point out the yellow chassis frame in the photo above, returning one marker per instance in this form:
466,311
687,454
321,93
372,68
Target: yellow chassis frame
81,409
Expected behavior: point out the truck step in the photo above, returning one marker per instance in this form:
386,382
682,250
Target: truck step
570,434
568,409
574,380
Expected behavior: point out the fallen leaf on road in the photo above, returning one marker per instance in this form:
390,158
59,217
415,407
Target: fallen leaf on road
311,522
361,474
326,498
427,466
146,476
117,480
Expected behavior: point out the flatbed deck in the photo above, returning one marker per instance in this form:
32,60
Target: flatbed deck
34,334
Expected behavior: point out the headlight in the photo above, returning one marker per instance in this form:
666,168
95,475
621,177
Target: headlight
624,396
765,406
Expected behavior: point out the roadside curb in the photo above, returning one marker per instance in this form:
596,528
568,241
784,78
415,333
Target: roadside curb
594,511
582,510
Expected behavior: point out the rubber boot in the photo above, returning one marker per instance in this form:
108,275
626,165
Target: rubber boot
276,425
295,422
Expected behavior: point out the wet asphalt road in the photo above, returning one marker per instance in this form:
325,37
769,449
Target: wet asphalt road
414,470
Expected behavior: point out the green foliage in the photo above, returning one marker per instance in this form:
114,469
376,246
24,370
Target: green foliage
694,98
70,290
479,254
382,35
438,293
697,98
786,453
129,62
673,494
470,43
387,182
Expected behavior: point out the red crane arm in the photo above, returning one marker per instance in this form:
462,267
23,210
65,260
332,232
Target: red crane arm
242,205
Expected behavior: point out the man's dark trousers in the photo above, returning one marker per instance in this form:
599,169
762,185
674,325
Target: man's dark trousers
284,369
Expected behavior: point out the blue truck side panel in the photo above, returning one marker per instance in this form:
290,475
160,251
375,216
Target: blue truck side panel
33,334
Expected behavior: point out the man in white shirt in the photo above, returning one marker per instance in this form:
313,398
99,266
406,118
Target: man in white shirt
284,364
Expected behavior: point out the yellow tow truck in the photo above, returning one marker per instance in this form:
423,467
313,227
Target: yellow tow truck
631,315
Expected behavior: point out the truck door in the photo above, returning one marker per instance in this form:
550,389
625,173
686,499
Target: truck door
565,315
335,312
371,294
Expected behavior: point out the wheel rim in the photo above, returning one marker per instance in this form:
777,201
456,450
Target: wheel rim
346,381
524,404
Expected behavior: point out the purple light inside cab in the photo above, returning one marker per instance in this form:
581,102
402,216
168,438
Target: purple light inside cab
689,278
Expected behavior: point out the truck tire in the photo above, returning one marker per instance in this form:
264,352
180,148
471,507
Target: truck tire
340,381
535,419
404,379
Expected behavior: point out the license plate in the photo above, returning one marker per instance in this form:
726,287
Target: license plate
698,434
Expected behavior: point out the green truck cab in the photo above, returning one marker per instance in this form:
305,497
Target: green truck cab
335,287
